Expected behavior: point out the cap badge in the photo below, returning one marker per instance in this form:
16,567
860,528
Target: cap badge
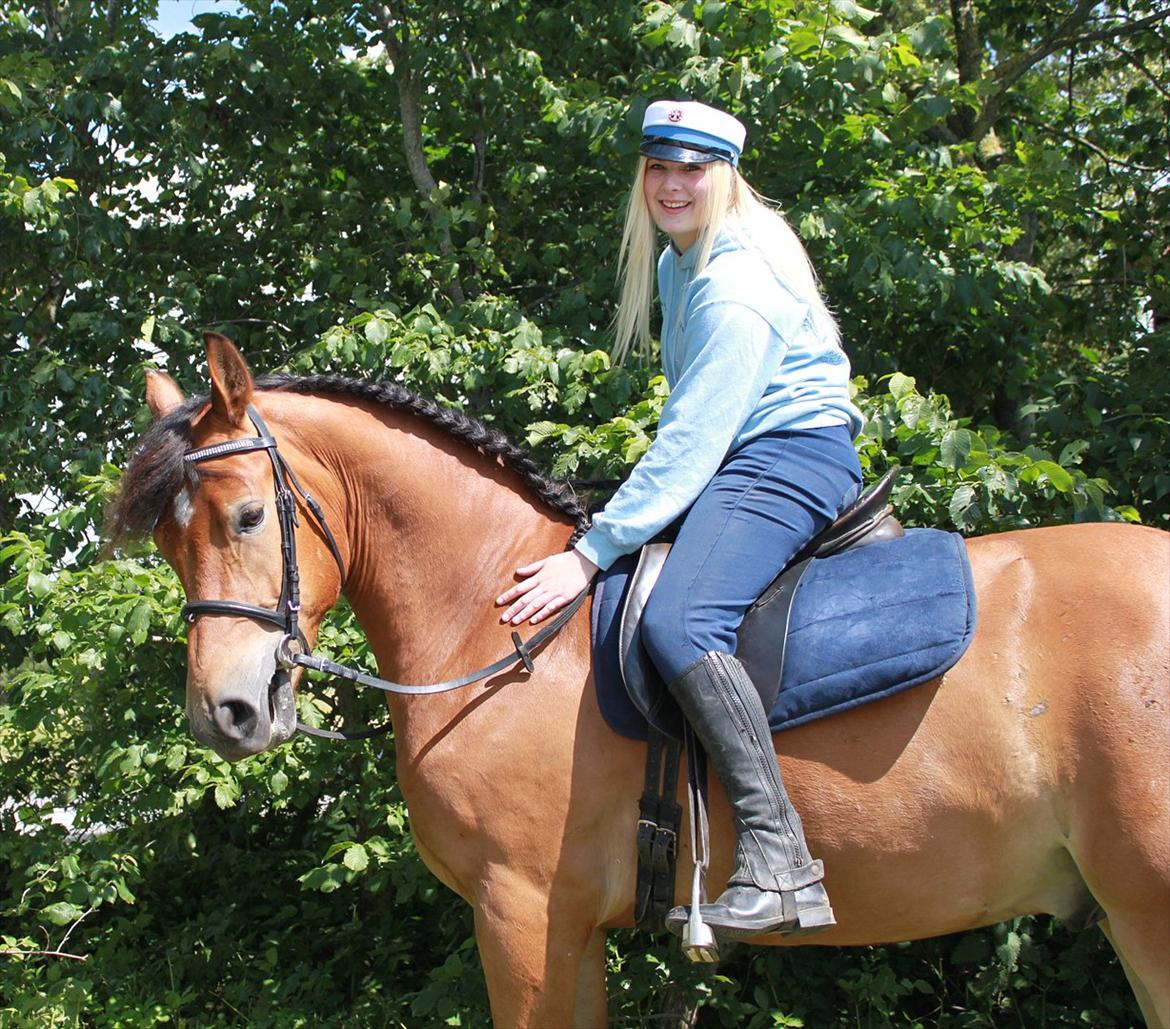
675,115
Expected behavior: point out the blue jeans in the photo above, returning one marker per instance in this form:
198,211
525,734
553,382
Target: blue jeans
769,498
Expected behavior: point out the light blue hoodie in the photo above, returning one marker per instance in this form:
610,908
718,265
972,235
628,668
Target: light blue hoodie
744,354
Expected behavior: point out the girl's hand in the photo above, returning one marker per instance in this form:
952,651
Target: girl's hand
549,584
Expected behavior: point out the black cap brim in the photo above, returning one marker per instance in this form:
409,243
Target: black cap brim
677,153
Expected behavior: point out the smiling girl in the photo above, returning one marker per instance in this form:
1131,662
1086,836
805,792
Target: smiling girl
753,456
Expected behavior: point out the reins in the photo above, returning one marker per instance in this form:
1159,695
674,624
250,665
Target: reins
292,650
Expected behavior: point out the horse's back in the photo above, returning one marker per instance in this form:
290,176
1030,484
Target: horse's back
1072,639
1111,631
979,796
1086,610
1082,615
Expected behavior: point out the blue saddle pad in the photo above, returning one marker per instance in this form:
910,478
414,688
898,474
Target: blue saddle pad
866,624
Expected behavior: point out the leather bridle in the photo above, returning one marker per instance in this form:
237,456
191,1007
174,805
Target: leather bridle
293,650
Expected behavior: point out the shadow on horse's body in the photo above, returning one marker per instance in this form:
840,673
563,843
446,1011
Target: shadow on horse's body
1032,778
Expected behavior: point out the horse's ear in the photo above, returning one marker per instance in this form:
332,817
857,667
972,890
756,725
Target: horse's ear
162,393
231,382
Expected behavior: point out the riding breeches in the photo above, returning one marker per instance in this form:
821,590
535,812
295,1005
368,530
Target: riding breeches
768,499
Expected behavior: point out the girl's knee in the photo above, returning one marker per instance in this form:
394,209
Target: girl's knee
667,636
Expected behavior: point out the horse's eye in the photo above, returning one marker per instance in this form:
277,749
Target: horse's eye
251,517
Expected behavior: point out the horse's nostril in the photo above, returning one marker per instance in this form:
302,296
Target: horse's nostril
236,719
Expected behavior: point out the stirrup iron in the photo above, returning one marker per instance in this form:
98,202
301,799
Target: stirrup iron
698,941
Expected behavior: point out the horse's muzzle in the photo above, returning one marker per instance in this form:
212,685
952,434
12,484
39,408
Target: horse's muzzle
236,726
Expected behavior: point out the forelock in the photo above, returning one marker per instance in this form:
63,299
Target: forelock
154,476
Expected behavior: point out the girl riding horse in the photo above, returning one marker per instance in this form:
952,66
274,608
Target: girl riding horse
754,455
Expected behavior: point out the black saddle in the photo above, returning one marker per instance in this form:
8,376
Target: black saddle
761,636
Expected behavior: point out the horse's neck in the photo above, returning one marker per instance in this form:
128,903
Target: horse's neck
434,531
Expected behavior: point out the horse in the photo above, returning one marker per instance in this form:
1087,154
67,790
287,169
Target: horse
1033,777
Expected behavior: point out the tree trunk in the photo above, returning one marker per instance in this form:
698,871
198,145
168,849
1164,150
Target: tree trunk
397,46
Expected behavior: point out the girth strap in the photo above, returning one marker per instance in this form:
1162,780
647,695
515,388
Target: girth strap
660,816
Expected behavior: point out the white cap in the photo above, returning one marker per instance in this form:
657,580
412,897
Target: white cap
691,133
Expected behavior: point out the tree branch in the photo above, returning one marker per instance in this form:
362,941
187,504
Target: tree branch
1121,31
968,45
480,139
43,954
1136,63
1080,141
52,21
1008,72
410,108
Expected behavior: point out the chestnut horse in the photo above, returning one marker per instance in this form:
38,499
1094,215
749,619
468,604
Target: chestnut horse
1033,777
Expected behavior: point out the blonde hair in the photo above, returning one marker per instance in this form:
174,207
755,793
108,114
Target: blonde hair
731,204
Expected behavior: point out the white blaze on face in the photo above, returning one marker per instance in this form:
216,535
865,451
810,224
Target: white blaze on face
184,509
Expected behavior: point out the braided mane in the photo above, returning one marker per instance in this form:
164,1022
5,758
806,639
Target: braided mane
156,471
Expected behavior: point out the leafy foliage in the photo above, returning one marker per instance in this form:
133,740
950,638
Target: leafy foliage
992,237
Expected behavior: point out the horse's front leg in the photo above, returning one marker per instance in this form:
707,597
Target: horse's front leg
592,1001
543,956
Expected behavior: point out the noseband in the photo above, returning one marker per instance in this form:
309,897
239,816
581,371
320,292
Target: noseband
293,649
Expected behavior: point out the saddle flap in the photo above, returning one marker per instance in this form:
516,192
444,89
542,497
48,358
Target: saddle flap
643,683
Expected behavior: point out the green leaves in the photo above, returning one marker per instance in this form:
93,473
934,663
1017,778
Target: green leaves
62,912
956,447
975,481
35,207
39,584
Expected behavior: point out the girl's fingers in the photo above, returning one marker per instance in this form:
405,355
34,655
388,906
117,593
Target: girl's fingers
538,611
521,588
549,584
549,609
510,595
531,601
536,606
518,613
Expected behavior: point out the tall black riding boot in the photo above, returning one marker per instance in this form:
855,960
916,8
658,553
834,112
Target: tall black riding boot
775,886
